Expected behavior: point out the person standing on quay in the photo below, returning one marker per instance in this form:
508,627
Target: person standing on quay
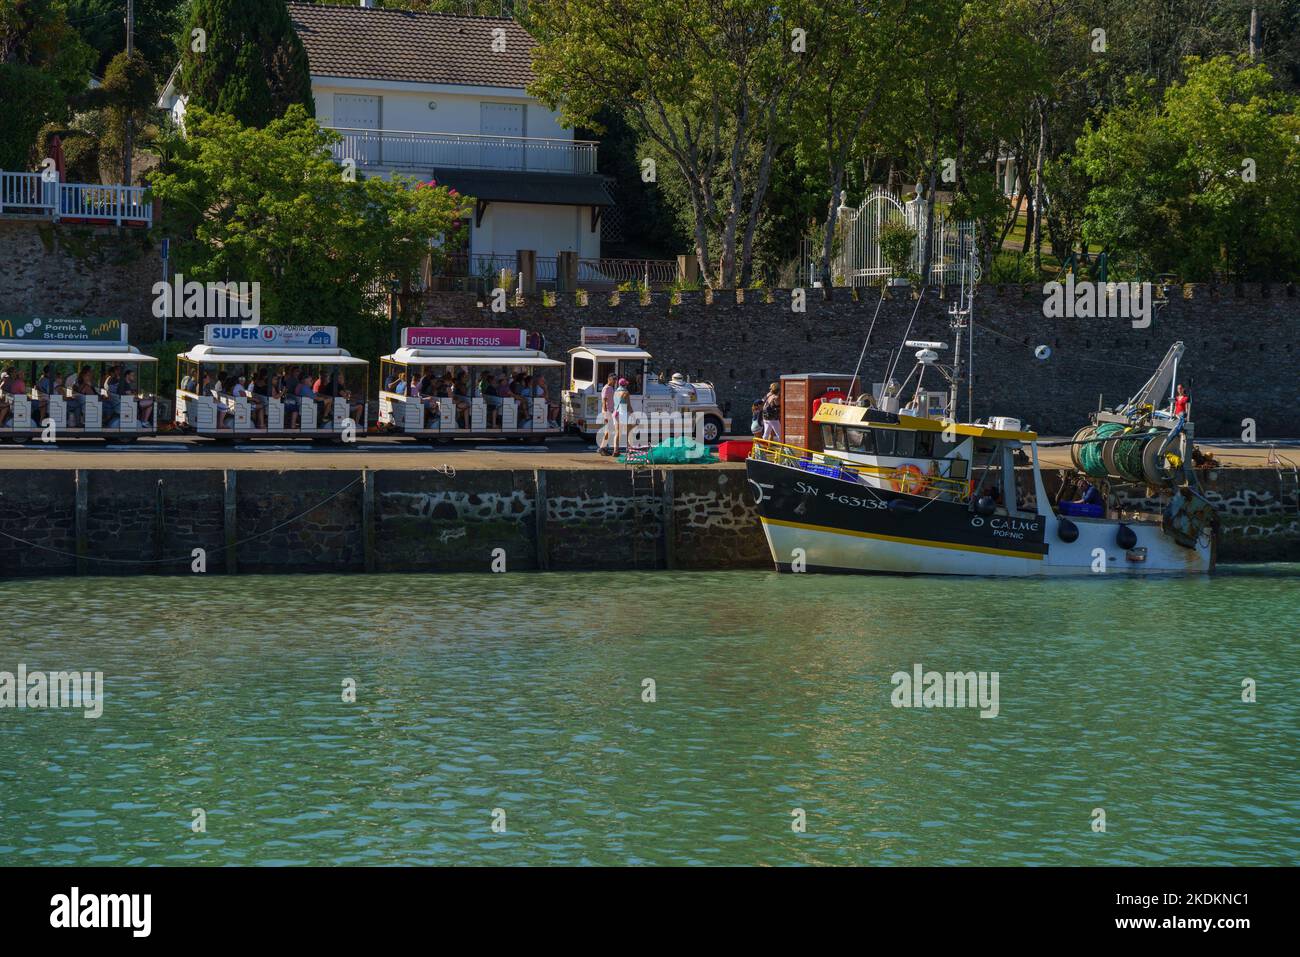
772,413
607,412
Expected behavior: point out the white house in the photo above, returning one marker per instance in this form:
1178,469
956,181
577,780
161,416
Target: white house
443,97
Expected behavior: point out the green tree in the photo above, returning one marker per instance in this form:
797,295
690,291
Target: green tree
128,94
271,205
1203,182
43,62
704,83
157,24
247,62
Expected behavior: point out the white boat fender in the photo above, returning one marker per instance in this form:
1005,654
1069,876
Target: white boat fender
1067,531
1125,537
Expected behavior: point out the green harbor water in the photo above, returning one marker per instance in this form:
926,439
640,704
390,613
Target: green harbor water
524,693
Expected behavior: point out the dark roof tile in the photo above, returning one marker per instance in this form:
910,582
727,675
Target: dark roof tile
406,46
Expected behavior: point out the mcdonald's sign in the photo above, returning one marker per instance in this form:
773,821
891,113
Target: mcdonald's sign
62,329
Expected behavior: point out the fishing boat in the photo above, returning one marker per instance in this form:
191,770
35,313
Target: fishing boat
884,486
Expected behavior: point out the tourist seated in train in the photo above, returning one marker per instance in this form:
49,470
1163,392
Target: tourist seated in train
240,390
47,385
108,395
83,392
356,402
460,395
487,388
143,404
260,392
326,391
552,408
8,378
305,394
223,390
287,398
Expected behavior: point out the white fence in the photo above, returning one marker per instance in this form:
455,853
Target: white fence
859,260
31,193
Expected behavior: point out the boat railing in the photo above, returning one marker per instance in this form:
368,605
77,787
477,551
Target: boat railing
832,466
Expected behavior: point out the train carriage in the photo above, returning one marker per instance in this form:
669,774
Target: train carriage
271,382
450,383
74,376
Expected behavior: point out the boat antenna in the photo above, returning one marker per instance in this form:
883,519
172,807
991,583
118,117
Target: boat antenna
906,333
863,354
961,313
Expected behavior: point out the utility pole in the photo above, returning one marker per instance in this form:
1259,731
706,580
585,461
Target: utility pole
130,48
1254,32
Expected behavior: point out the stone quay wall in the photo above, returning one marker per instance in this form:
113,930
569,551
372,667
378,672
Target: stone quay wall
130,522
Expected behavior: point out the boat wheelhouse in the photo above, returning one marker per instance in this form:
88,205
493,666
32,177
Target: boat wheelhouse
74,376
449,383
271,381
616,350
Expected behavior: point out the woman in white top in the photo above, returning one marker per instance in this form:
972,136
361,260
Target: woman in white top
622,411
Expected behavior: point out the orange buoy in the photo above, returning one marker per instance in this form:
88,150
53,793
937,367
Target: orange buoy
910,479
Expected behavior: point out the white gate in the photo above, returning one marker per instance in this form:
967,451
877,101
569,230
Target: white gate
859,261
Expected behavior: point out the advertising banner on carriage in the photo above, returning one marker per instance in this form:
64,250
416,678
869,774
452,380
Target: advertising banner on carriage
272,337
609,336
432,337
62,329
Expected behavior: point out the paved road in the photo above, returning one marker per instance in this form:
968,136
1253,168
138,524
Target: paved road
387,452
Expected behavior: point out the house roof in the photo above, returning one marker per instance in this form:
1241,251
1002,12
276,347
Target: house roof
561,189
411,47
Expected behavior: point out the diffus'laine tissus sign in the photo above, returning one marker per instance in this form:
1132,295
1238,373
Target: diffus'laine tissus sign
62,328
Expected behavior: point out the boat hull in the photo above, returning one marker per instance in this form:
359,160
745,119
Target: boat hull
817,523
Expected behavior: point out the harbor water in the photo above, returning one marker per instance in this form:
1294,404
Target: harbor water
668,718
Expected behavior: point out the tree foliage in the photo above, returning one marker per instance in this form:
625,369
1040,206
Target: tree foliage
43,62
1203,181
703,82
250,63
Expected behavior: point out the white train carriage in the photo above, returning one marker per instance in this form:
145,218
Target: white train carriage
271,382
450,383
74,376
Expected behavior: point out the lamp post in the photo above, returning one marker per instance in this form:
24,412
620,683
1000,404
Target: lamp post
394,287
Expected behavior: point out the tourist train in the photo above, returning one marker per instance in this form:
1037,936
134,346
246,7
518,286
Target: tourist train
878,486
449,383
73,376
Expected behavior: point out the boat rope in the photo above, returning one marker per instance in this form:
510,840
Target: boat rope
1090,455
863,354
190,557
1102,362
919,299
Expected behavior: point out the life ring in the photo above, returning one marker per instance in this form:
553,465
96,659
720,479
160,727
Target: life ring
910,479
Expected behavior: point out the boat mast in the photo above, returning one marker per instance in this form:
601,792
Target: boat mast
960,312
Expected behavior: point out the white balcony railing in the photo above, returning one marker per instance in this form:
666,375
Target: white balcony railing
74,202
401,150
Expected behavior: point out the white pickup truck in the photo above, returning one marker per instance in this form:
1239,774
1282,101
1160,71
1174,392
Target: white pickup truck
617,350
